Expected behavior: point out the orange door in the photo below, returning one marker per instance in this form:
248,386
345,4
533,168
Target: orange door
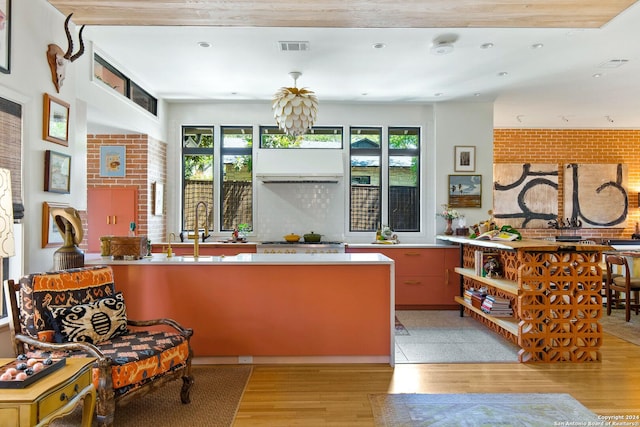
109,212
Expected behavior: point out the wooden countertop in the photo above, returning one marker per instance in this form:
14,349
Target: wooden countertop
526,244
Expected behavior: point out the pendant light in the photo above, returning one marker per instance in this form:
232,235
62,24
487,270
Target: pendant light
295,109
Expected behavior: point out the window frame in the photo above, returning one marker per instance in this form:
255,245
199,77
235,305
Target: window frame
196,151
404,152
378,152
295,141
129,85
233,151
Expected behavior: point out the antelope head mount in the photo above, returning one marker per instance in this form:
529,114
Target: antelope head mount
58,59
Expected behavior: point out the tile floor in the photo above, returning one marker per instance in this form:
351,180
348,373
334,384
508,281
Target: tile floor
442,336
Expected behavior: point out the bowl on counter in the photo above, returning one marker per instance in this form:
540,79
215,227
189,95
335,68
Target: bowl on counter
291,238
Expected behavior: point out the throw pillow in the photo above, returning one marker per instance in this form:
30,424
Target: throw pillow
95,322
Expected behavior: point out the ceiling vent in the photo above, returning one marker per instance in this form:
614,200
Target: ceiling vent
293,46
613,63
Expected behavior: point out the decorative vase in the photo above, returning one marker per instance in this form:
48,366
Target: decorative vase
449,230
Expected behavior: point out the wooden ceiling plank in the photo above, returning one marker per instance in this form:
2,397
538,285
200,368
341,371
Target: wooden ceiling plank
344,13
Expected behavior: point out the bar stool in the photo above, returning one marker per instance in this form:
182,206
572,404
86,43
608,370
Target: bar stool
626,284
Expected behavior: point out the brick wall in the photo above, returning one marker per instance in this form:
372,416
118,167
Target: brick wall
564,146
146,161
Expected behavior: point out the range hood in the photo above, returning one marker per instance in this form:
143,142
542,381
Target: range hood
298,165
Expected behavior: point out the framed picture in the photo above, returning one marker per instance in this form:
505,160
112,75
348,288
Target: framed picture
113,161
158,198
5,36
57,172
51,236
465,156
465,191
55,120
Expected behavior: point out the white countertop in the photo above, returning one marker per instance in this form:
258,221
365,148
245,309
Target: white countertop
398,245
248,259
349,245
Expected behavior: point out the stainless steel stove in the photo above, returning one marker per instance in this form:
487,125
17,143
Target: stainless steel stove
281,247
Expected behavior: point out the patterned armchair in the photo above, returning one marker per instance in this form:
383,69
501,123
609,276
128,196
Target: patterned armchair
78,312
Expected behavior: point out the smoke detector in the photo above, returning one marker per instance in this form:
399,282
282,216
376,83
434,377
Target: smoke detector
441,48
443,44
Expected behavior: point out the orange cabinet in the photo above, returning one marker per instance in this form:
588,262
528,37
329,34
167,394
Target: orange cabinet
425,277
109,212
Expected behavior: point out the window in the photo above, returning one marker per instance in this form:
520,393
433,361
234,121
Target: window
401,200
235,183
236,199
365,170
317,137
404,173
197,173
143,99
109,75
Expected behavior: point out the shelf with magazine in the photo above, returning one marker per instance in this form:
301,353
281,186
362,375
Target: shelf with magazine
552,290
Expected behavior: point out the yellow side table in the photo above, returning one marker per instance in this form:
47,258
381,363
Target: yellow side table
51,397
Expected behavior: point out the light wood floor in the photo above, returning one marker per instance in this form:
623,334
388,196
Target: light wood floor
337,395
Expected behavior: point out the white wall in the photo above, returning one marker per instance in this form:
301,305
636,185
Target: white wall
323,208
463,124
35,24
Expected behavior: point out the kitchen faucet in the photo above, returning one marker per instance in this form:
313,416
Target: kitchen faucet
195,236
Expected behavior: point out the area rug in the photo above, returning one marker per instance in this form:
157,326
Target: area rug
215,397
617,326
479,409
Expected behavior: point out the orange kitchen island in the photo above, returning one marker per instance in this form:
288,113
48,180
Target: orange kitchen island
268,308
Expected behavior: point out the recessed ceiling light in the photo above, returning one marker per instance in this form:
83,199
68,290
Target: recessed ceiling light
502,74
379,45
438,94
204,44
537,46
597,75
364,94
486,45
476,94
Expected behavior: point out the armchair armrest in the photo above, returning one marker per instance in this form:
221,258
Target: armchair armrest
68,346
186,332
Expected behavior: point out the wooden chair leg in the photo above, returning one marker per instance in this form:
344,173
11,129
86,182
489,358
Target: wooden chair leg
627,306
609,300
187,382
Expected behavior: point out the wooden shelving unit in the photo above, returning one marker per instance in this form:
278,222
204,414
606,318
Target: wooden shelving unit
555,293
510,324
507,286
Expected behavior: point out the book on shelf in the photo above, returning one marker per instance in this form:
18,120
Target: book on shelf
497,306
480,258
474,297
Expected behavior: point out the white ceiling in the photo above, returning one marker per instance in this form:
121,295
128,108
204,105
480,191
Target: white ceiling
552,86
